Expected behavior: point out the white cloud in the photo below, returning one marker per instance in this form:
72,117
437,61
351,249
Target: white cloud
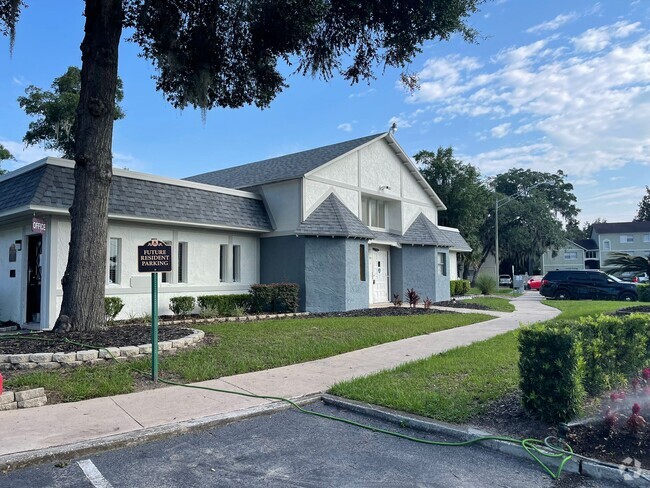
400,120
345,126
553,24
599,38
363,93
501,130
557,108
24,154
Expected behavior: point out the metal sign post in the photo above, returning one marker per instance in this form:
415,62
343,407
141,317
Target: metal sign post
154,257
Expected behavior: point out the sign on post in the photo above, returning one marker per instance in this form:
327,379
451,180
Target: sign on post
154,257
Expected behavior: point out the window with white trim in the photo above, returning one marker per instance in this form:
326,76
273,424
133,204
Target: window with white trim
627,239
607,245
114,260
236,264
181,263
373,212
590,254
570,255
442,263
166,277
223,262
646,237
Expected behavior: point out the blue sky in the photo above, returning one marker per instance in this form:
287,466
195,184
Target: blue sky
551,85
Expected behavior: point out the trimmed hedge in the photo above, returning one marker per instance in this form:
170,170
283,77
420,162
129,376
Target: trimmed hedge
274,297
182,305
459,287
112,307
561,362
551,372
223,305
644,293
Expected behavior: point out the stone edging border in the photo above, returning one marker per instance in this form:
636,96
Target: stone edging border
49,360
242,318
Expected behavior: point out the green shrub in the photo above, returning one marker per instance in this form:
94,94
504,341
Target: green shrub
600,353
182,305
112,307
274,297
459,287
486,284
551,371
644,293
613,348
223,305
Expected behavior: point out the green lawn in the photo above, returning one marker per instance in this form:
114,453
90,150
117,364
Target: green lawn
234,348
493,303
500,291
459,384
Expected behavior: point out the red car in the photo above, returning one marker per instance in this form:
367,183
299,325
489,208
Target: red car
534,282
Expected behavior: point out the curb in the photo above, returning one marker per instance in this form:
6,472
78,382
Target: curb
605,471
10,462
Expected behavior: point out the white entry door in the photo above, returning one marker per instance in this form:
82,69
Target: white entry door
379,269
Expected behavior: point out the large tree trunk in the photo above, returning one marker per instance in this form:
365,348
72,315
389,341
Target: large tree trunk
85,275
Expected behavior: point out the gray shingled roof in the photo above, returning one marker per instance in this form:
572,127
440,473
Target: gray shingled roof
458,242
53,186
424,232
588,244
618,227
279,169
332,218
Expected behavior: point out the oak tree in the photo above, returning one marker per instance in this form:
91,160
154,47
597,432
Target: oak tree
643,214
55,112
218,54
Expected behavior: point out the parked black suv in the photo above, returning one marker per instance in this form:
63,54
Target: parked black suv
591,284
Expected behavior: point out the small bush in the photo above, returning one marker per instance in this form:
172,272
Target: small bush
459,287
427,303
112,307
413,297
551,371
644,293
486,284
274,297
222,305
396,301
182,305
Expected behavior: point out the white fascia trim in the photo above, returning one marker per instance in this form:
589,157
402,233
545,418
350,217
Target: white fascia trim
332,161
61,211
385,243
452,229
413,169
67,163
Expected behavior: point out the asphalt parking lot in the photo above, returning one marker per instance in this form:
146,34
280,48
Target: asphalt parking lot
289,448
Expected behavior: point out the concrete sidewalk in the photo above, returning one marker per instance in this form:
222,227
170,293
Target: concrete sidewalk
51,426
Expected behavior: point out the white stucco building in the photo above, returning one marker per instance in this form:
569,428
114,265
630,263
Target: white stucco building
352,223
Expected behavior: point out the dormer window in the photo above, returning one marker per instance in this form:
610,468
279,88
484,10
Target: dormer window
373,212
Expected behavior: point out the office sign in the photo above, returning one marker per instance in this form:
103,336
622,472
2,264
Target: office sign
38,226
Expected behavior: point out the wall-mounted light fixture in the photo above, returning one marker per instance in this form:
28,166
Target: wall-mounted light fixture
19,245
384,187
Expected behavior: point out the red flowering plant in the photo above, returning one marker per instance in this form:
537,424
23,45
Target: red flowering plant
636,422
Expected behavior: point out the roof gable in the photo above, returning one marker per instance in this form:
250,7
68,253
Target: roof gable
333,218
424,232
282,168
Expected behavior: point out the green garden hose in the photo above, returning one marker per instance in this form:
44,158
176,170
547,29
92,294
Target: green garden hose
531,446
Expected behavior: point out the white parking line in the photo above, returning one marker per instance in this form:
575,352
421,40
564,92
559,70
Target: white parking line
93,474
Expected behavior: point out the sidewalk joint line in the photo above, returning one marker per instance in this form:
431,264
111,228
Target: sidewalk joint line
124,410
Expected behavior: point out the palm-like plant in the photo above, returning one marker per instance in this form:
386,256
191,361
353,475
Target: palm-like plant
622,261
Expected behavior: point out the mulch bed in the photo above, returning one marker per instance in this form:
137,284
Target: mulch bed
115,336
462,304
378,312
629,310
507,417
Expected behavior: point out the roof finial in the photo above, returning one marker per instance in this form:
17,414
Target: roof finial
393,128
